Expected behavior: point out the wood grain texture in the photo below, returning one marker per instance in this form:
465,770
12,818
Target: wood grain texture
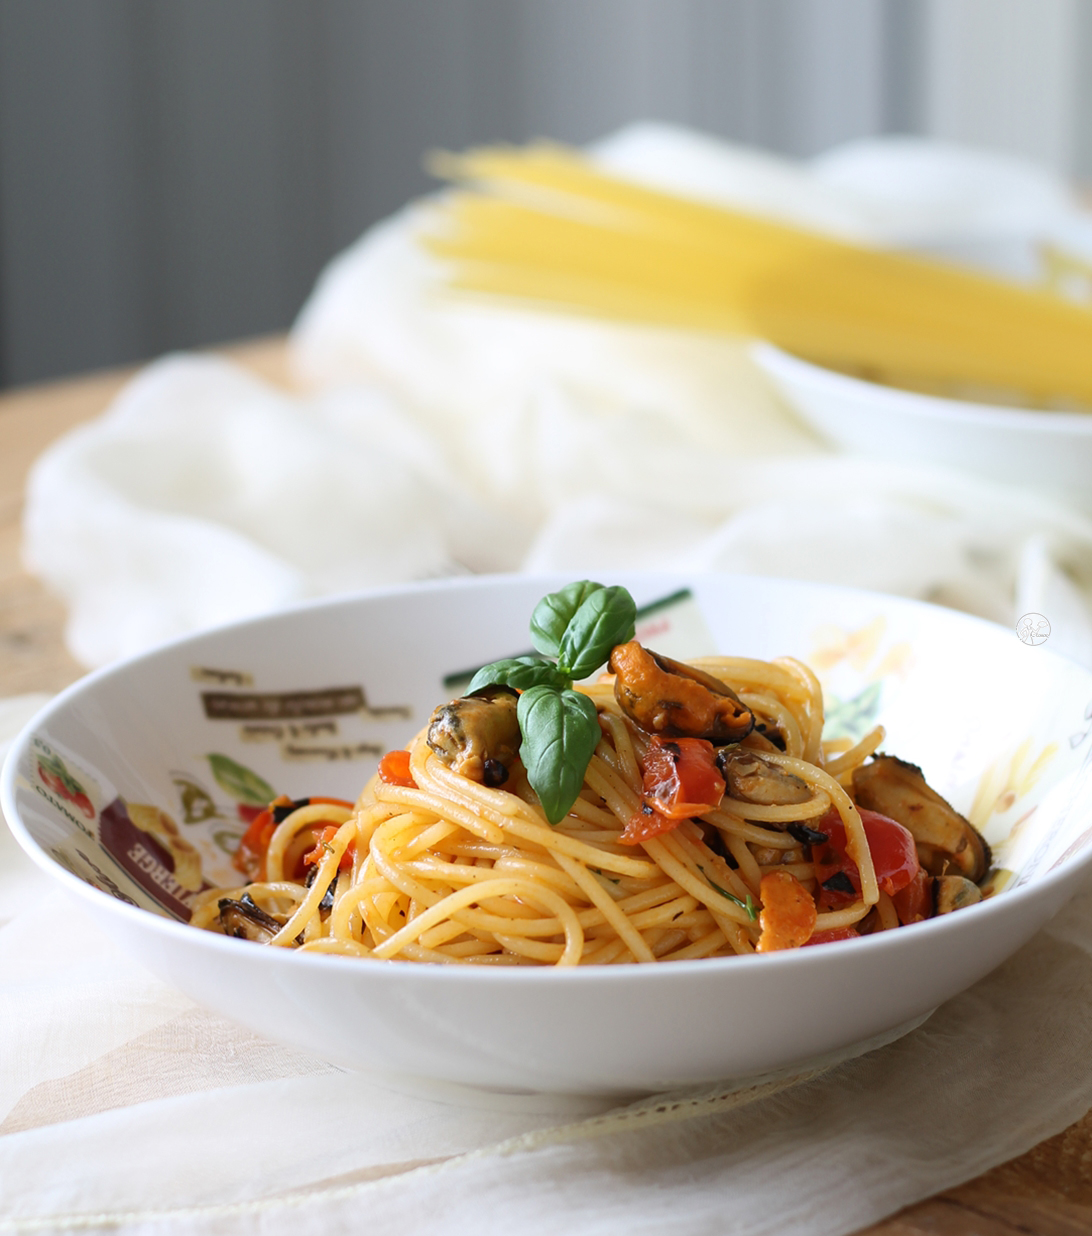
1046,1192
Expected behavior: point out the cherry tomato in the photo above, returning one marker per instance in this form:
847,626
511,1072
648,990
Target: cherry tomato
788,912
894,855
645,824
829,937
322,840
680,778
915,901
52,780
394,769
250,857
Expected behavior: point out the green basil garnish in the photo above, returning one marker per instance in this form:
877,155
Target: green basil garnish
579,625
560,731
552,615
519,673
605,618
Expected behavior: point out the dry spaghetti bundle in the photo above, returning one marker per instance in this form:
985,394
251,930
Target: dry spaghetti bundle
543,225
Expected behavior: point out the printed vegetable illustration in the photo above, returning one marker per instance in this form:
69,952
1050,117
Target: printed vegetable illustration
54,774
251,793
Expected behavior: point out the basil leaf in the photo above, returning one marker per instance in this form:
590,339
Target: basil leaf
242,784
605,618
517,672
554,613
560,732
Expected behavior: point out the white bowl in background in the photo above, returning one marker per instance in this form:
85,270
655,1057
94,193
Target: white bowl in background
304,700
1050,452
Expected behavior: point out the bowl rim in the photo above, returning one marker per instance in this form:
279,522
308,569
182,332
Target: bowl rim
777,363
1072,872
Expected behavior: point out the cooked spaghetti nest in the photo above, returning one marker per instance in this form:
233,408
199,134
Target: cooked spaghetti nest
451,871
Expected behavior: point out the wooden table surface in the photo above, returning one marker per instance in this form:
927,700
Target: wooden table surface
1046,1192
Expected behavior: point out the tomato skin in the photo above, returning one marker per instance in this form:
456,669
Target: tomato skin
644,824
394,769
788,912
894,855
247,813
915,902
829,937
322,840
680,778
249,858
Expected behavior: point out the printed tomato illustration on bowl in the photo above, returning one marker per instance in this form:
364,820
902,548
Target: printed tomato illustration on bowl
56,776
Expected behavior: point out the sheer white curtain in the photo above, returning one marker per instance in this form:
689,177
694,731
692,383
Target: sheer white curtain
176,174
1007,74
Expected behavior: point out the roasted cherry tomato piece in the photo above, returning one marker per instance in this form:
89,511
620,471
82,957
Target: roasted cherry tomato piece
835,933
322,840
644,824
915,902
894,856
680,778
894,852
839,882
251,855
788,912
394,769
249,858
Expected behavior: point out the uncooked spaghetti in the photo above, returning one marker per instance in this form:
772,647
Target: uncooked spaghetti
543,225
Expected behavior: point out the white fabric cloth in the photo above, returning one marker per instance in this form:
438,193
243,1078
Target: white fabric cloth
204,495
443,435
124,1108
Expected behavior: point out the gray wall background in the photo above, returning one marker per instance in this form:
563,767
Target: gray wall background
176,172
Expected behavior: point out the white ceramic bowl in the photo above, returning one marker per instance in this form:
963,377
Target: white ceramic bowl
1050,452
304,700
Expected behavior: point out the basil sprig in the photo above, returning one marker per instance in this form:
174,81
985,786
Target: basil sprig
520,673
578,626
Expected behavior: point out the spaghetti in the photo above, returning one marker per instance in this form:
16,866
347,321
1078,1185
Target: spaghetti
667,812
